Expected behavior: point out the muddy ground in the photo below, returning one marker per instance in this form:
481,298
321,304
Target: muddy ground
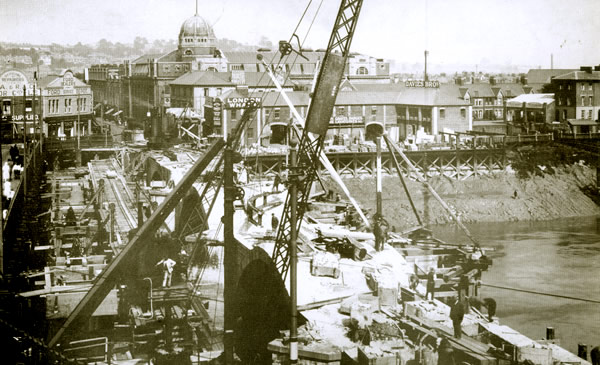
544,194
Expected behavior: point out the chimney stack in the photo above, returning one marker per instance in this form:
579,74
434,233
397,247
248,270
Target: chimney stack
426,54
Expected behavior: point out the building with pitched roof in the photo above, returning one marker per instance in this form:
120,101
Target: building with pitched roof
577,94
402,110
531,112
67,106
145,82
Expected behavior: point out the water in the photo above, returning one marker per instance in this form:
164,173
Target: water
561,257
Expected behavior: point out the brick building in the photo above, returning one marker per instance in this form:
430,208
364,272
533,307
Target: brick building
577,95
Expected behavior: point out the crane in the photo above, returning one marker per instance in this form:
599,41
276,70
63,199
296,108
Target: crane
195,221
317,124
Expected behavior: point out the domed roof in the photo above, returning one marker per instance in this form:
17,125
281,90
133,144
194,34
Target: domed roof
196,26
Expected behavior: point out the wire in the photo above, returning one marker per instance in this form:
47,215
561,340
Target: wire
541,293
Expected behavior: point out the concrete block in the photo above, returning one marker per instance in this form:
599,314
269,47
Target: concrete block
325,264
366,356
388,297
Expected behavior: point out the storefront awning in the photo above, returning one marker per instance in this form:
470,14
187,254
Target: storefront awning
580,122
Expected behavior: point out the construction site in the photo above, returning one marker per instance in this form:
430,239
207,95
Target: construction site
177,250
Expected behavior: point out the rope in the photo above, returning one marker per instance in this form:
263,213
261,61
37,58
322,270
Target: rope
541,293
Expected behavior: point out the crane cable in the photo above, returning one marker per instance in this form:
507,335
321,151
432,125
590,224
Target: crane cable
541,293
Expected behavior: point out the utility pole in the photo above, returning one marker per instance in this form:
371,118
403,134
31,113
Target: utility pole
379,215
230,255
78,150
293,178
25,143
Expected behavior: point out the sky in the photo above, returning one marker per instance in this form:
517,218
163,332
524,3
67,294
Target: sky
475,32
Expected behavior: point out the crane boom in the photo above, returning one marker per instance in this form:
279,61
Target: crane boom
317,123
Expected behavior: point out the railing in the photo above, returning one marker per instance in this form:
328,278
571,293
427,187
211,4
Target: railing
71,143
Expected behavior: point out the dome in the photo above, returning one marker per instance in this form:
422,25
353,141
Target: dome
196,26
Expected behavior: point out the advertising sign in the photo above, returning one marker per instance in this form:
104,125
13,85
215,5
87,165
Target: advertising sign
242,103
421,83
217,110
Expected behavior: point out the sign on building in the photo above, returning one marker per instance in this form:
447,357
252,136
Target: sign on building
342,119
12,82
217,110
242,103
422,83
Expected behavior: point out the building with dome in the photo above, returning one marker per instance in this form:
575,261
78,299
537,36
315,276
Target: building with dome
145,83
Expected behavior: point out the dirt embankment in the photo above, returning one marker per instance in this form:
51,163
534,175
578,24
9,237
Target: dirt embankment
560,192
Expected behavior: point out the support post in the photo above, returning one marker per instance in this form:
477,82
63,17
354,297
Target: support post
25,167
293,255
378,229
230,255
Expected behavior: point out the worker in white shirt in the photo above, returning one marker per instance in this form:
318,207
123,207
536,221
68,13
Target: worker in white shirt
168,265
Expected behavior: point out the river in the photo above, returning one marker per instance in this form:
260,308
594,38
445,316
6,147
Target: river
560,257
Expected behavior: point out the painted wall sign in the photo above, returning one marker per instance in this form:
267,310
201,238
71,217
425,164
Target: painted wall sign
421,83
242,103
12,82
342,119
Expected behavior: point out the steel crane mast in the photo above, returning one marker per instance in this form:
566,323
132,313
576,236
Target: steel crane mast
317,123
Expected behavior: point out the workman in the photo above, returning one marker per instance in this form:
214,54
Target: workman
276,183
457,313
413,282
274,222
595,355
490,304
168,265
445,353
70,218
463,286
430,284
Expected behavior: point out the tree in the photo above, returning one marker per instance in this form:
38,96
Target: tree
140,43
104,46
264,42
548,88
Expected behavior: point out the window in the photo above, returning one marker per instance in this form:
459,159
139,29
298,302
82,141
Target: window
442,113
233,114
591,103
341,111
480,114
582,87
219,91
583,101
590,114
568,100
583,114
564,114
373,113
276,112
560,87
463,113
362,71
559,100
569,87
590,87
67,105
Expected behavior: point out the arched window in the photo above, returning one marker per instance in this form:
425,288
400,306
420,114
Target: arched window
211,69
362,71
188,52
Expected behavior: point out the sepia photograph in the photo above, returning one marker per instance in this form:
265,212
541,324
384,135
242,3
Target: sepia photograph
379,182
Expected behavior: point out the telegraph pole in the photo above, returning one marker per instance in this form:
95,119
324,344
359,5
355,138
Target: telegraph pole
230,255
293,178
24,143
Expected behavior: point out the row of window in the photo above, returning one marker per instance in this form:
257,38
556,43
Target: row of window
191,39
583,87
590,100
53,105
